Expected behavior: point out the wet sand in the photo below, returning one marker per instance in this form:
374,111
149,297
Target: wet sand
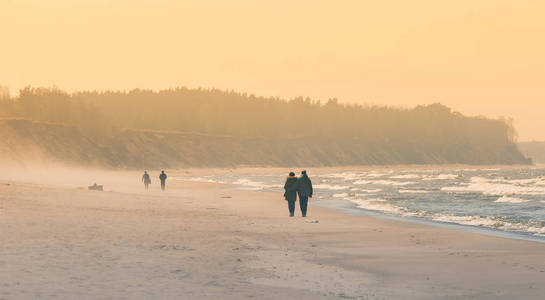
205,241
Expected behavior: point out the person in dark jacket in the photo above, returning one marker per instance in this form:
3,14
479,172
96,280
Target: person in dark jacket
290,194
304,189
163,178
146,179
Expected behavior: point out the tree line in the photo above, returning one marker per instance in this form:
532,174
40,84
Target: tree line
433,129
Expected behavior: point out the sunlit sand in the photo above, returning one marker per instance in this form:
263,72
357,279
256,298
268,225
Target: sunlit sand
206,241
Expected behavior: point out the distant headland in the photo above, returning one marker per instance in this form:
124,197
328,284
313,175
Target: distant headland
213,128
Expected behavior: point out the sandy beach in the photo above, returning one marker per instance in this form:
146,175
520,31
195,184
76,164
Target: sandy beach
207,241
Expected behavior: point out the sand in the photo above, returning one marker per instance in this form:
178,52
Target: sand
206,241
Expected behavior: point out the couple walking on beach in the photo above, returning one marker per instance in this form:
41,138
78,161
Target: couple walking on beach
295,186
147,180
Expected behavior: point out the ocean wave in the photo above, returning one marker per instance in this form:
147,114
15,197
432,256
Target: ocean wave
384,182
529,181
490,188
467,220
377,174
442,177
201,179
413,191
500,223
478,179
541,182
475,170
255,185
499,200
406,176
524,181
344,175
520,182
508,199
370,191
326,186
379,205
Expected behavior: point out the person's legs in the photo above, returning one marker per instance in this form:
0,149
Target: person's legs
291,207
163,185
303,201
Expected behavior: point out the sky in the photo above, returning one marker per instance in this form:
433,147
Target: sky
480,57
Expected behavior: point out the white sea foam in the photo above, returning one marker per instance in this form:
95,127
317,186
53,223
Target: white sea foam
490,188
377,174
345,175
254,185
326,186
541,182
478,179
508,199
447,176
524,181
202,179
363,182
441,177
413,192
536,230
370,191
383,182
406,176
474,170
531,181
466,220
380,205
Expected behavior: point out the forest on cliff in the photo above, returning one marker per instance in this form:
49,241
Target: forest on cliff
207,127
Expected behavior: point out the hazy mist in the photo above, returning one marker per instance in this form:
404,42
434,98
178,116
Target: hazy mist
478,57
212,128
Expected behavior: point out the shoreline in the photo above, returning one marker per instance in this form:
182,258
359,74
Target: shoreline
350,209
210,241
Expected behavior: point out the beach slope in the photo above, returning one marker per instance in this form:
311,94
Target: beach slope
205,241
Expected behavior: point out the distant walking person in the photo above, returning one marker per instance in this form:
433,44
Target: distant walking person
290,194
146,179
304,189
163,178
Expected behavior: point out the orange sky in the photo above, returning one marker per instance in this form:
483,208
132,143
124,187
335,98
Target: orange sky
481,57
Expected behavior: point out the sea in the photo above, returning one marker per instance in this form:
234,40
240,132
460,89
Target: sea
498,201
